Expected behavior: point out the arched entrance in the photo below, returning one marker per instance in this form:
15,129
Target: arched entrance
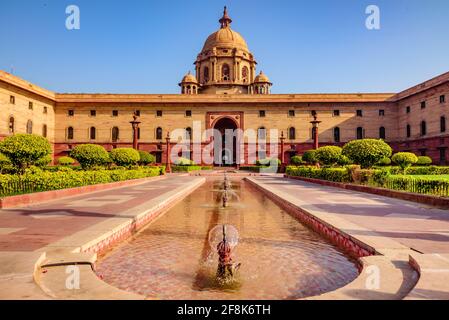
225,142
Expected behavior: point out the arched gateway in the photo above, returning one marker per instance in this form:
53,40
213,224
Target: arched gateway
225,142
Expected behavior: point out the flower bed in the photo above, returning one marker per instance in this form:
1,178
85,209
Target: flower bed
38,180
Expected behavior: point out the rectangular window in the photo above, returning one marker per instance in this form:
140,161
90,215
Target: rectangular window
442,98
70,113
159,113
45,110
30,105
359,113
12,99
188,113
443,155
407,110
262,113
93,113
381,113
336,113
115,113
423,105
291,113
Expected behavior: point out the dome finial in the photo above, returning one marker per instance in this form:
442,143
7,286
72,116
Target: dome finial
225,21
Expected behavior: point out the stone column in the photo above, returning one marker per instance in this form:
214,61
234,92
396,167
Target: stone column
135,125
282,158
167,156
315,124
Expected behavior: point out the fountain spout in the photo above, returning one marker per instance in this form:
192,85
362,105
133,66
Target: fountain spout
226,268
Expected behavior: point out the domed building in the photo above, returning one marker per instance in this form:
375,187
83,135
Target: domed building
226,93
225,65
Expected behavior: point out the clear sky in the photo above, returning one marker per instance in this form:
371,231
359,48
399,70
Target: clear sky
147,46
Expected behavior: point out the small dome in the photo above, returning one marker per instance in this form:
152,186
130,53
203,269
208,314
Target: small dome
261,78
189,78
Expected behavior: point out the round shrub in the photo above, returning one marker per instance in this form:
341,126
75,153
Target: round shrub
296,160
66,161
384,162
184,162
424,161
404,160
90,155
24,150
125,156
44,161
268,162
367,152
309,157
146,158
329,155
343,160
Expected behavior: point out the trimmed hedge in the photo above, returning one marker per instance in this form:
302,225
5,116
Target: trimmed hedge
66,161
417,185
90,155
259,169
366,152
37,180
330,174
125,156
190,168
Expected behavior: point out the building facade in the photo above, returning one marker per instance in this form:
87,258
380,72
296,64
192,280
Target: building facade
227,92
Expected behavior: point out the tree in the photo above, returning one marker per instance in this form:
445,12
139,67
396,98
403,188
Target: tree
366,152
404,160
24,150
146,158
90,155
424,161
125,157
309,157
66,161
329,155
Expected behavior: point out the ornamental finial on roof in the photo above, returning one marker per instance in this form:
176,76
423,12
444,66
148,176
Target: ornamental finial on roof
225,21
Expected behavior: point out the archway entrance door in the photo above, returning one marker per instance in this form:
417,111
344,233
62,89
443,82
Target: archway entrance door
225,142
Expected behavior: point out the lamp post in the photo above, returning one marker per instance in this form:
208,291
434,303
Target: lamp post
315,124
167,156
282,150
135,124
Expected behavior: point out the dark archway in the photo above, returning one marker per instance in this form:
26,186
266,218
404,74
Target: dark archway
225,142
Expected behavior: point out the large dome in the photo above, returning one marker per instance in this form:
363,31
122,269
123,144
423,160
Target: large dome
225,37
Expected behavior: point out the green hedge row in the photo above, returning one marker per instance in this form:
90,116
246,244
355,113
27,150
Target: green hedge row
259,169
417,185
430,170
36,180
330,174
189,168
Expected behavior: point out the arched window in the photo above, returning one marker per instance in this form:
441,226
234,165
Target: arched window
188,133
409,131
443,124
337,134
225,73
69,133
382,133
245,74
11,125
206,74
44,131
93,133
423,128
359,133
262,133
115,134
159,133
30,127
292,133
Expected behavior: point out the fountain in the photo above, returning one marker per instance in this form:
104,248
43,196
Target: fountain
226,267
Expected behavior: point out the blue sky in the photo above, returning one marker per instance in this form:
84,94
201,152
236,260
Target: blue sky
147,46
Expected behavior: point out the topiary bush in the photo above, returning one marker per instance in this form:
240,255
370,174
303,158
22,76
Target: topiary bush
23,150
296,160
269,162
66,161
384,162
424,161
366,152
329,155
309,157
404,160
90,155
146,158
44,161
5,164
125,157
184,162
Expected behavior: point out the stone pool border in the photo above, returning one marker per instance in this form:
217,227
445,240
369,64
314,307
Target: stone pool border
402,195
24,200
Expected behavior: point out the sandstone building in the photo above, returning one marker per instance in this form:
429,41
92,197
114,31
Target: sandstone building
228,92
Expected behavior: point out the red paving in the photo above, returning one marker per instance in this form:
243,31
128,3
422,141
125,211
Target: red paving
423,228
46,223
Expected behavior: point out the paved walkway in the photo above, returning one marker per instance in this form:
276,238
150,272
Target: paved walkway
419,227
32,228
